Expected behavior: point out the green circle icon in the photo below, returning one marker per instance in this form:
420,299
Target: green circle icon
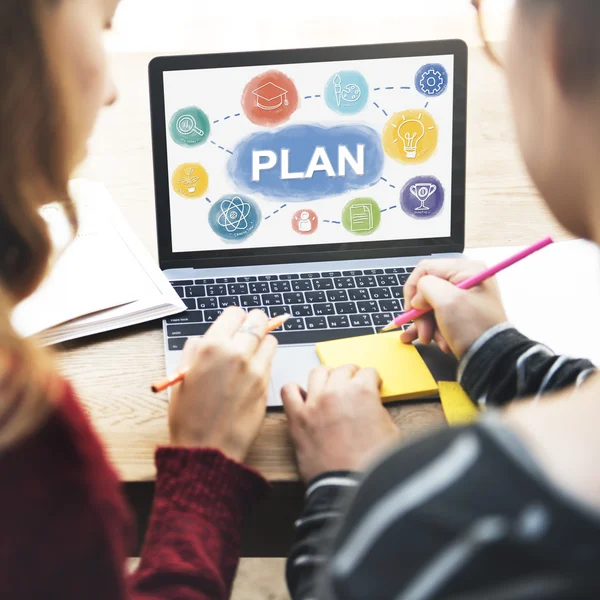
190,127
361,216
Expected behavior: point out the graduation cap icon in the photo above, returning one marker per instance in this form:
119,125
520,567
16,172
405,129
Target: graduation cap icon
270,96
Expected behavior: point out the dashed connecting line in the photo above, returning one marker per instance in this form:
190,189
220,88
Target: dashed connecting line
208,200
390,184
276,211
381,109
221,147
391,87
333,222
315,96
227,117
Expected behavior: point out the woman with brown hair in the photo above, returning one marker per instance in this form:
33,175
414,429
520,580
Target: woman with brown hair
508,508
64,528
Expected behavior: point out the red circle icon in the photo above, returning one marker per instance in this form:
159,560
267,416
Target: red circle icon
305,221
270,99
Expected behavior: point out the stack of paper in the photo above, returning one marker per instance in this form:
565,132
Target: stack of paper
103,280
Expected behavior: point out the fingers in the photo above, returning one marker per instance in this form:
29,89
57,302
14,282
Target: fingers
293,402
226,325
252,333
341,375
426,328
263,359
441,342
369,376
317,380
437,293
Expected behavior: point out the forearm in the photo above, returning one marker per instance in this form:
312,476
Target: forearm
315,529
504,365
192,546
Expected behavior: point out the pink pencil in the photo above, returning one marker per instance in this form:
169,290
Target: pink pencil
467,284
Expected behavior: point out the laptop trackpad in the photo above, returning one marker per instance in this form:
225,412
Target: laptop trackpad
291,364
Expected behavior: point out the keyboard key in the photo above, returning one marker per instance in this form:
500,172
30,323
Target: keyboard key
190,303
410,269
314,336
246,279
237,289
226,280
194,291
263,308
337,296
289,277
268,278
323,284
402,279
272,299
313,297
225,301
302,310
380,293
186,330
393,305
303,285
396,270
294,298
190,316
259,288
182,283
316,323
294,325
280,286
373,271
251,301
382,319
387,280
212,315
352,273
346,308
344,283
359,294
208,302
360,321
179,291
338,322
310,275
204,281
277,311
398,292
331,274
324,309
177,343
368,307
214,290
367,281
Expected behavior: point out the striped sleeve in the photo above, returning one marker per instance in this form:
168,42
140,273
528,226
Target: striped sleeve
323,509
504,365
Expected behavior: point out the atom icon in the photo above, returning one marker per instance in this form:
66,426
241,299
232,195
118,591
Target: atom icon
234,215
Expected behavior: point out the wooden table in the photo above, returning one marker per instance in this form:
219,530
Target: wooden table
112,371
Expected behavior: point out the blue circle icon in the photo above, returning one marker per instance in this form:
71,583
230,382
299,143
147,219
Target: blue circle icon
234,217
422,197
347,92
432,80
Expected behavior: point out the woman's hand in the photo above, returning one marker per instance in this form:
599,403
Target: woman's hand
339,424
460,317
222,401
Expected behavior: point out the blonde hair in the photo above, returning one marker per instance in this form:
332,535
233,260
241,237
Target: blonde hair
33,171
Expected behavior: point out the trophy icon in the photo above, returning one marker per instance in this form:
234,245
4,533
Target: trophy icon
422,192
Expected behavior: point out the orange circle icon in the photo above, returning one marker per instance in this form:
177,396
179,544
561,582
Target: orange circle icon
305,221
270,99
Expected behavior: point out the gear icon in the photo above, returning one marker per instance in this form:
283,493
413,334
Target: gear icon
432,80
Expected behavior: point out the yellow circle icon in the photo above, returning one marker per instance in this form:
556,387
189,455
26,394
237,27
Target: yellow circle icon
410,137
190,180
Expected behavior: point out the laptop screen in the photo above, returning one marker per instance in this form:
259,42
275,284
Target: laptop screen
310,155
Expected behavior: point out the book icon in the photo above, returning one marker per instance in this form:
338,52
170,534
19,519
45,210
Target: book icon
361,218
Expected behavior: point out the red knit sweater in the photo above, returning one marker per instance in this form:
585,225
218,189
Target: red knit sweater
65,529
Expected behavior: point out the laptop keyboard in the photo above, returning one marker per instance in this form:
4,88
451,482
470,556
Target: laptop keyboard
324,305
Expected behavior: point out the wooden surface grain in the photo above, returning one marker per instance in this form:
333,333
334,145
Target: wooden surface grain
112,372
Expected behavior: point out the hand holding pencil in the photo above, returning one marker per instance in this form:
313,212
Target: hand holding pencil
222,401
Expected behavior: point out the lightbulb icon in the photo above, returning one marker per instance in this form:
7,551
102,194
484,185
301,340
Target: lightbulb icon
410,133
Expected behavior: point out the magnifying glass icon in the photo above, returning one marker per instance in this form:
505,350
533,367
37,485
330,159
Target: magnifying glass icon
186,125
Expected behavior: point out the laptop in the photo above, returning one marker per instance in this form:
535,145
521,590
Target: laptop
308,182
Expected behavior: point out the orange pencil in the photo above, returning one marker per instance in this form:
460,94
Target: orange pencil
178,376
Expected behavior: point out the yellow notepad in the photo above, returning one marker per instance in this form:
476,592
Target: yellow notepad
458,407
404,373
